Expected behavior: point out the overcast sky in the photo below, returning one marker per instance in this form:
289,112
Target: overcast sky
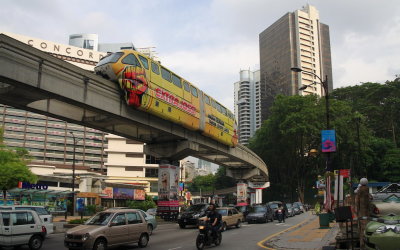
209,41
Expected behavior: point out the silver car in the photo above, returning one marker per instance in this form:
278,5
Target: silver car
111,228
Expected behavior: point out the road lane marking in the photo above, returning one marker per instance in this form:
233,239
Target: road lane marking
174,248
261,243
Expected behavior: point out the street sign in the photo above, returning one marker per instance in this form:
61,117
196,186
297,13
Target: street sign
345,173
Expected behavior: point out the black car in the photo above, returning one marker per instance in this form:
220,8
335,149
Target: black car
260,213
244,210
191,215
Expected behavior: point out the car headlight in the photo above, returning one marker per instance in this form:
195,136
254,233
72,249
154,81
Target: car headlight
179,216
85,237
65,236
382,229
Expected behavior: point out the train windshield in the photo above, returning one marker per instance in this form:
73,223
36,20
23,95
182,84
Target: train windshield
111,58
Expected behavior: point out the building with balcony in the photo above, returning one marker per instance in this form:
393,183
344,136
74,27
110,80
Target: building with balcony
247,103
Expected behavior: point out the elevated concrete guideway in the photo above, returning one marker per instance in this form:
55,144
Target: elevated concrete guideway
36,81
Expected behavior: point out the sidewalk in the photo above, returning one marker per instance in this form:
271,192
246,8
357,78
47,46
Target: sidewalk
305,236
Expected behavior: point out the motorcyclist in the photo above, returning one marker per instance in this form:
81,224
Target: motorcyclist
282,209
214,218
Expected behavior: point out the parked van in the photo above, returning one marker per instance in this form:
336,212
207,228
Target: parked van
46,217
23,227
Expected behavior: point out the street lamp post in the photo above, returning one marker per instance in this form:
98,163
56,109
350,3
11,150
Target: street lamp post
324,84
73,172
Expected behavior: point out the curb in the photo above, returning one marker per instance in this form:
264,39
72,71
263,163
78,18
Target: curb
261,243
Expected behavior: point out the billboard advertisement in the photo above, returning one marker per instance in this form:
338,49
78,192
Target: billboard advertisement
123,193
139,194
168,184
241,194
328,141
107,193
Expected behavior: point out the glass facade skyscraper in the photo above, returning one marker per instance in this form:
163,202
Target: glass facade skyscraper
297,39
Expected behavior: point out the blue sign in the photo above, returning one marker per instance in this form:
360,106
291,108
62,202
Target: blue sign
328,141
80,204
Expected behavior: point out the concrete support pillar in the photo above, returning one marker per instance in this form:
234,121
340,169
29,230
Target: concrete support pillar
252,198
259,196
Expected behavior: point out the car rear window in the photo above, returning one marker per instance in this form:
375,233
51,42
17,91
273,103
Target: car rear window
274,205
223,212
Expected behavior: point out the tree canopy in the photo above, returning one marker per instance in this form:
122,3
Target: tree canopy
365,119
13,166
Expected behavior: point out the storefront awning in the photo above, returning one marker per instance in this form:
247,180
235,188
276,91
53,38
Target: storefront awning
17,191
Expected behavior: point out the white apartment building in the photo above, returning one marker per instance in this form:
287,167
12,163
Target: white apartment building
126,163
247,104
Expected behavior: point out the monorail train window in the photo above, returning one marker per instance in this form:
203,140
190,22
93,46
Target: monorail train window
214,104
132,60
207,99
194,91
218,107
155,68
144,62
223,109
186,86
166,74
176,81
111,58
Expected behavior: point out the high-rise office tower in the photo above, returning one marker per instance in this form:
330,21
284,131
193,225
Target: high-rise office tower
247,104
297,39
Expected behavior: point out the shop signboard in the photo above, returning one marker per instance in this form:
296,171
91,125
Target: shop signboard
107,193
241,194
140,195
123,193
27,185
168,183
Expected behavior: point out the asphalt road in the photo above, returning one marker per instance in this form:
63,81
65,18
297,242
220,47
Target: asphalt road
171,237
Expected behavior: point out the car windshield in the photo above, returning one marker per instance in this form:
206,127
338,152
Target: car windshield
289,205
259,209
100,219
223,212
195,208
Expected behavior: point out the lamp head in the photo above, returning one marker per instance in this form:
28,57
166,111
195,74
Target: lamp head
296,69
303,87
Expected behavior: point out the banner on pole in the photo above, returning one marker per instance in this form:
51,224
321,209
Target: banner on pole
328,141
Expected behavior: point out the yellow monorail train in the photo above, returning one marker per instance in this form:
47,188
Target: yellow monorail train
151,87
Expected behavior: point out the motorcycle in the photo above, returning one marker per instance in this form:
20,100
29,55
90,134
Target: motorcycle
279,215
205,238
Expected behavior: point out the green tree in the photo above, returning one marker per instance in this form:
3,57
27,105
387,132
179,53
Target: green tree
222,180
292,130
144,205
13,167
204,183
